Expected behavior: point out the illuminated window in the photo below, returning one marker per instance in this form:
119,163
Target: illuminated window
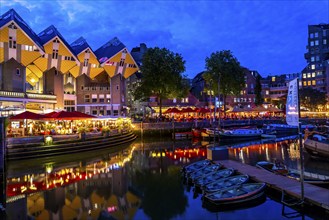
304,75
312,59
312,66
122,62
101,98
316,43
12,42
85,62
313,82
87,98
311,35
308,75
174,100
311,43
12,26
313,74
304,83
55,54
308,83
267,92
324,41
273,79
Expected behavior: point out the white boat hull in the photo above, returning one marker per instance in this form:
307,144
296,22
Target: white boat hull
317,148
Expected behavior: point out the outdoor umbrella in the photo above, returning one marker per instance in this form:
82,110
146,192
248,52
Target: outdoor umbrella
64,115
175,110
187,110
273,109
50,114
259,109
83,115
203,110
28,115
167,111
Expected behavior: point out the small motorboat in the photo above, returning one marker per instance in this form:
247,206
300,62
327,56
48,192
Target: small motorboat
317,144
238,194
203,172
277,167
311,178
240,134
214,176
195,166
224,183
182,135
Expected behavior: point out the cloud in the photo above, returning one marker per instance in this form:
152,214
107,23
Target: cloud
267,36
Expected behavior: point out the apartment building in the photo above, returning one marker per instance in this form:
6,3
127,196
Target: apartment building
316,73
43,72
201,90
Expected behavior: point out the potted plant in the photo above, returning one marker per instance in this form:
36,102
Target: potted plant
105,131
82,133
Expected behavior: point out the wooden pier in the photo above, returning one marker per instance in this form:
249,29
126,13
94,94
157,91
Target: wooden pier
313,195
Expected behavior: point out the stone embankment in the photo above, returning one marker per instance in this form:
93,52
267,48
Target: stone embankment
32,147
167,128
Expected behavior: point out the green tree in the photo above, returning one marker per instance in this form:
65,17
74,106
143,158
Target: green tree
224,74
258,91
161,76
312,98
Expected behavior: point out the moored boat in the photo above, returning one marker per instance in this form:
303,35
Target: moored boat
285,128
195,166
203,172
240,134
238,194
317,144
311,178
224,183
277,167
214,176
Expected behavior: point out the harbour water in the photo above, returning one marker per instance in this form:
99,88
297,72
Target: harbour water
140,181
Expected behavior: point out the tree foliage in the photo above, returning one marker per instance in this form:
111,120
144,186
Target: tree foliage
312,98
223,67
258,91
161,76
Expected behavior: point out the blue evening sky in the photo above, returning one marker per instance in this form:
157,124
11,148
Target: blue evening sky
269,36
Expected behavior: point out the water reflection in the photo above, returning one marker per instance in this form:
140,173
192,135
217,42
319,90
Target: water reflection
139,181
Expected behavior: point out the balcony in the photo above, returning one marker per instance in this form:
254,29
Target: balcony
12,94
40,96
26,97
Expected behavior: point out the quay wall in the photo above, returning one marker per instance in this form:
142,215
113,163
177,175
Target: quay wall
167,128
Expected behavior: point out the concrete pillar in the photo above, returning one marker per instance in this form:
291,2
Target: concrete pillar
3,176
